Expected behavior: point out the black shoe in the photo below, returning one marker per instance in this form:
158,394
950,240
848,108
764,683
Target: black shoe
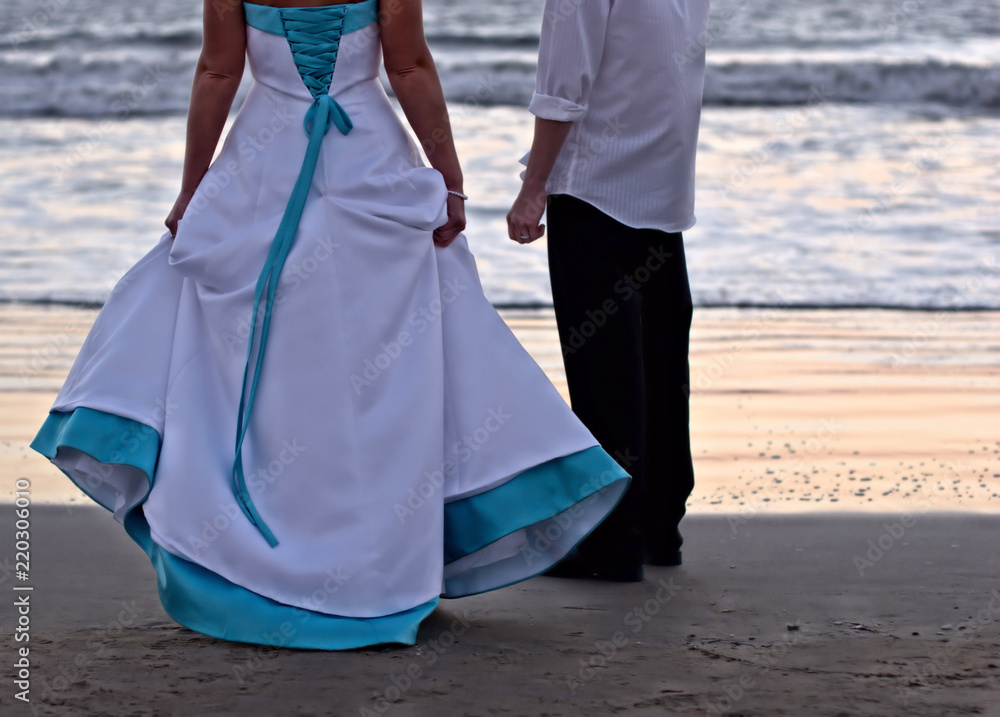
669,559
574,566
666,551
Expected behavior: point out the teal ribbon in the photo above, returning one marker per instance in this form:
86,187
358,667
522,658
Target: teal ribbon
314,38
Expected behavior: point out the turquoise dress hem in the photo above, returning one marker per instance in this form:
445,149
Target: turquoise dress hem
205,602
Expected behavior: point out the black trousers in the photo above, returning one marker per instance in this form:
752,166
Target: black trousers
623,308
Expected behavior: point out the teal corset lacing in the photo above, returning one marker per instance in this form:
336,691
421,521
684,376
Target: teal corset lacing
313,36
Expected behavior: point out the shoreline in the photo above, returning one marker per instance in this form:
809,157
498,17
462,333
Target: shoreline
532,308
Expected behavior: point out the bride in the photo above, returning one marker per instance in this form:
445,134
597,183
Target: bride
299,403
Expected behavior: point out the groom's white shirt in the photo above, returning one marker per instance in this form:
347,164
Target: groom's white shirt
629,74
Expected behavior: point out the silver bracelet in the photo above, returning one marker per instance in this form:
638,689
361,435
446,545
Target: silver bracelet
458,194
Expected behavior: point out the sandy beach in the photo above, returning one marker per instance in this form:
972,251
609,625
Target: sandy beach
841,553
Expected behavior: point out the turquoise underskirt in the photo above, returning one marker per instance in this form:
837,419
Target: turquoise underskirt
208,603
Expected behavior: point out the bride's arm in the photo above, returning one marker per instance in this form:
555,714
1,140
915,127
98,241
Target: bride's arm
216,79
414,81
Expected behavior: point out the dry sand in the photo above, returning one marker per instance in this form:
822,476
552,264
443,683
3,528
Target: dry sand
841,558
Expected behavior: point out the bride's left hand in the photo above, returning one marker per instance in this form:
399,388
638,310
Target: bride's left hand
524,219
177,213
446,233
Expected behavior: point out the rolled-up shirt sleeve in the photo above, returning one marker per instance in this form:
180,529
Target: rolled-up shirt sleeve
570,49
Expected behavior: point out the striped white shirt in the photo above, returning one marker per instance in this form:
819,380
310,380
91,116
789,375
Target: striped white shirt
629,75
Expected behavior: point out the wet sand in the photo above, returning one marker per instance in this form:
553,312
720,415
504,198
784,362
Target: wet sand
791,410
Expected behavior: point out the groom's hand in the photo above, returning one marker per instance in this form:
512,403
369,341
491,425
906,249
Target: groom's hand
524,219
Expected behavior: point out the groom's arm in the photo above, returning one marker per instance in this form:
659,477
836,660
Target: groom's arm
571,45
550,136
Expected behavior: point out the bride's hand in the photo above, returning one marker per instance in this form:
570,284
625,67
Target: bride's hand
524,219
446,233
177,213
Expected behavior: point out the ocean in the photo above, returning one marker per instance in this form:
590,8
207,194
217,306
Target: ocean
848,154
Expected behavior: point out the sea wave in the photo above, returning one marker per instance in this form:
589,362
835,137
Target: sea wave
132,80
86,38
791,83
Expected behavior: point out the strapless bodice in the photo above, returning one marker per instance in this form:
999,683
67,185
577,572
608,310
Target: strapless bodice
288,48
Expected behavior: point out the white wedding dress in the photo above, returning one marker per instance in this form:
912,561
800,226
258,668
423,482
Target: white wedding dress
399,445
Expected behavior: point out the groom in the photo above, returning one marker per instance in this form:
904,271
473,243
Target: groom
617,106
